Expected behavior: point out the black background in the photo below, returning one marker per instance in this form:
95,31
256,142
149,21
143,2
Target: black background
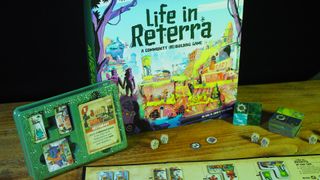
43,49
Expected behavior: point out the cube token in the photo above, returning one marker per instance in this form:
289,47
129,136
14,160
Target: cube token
154,144
211,140
255,137
264,142
121,175
195,145
176,173
313,139
160,174
164,138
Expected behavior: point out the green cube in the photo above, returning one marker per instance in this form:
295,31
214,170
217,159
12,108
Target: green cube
247,113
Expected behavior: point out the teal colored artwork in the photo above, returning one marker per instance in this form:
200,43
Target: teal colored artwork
247,113
240,119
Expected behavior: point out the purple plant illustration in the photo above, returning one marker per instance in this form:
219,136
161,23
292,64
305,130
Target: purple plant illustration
100,22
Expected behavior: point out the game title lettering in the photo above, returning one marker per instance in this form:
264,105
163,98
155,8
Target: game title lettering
158,32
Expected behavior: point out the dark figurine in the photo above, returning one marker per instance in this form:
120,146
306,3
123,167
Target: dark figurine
115,78
129,83
191,87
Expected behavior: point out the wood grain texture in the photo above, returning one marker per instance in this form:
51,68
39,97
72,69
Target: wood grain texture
233,141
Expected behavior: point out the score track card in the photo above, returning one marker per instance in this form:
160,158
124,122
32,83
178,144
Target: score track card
100,124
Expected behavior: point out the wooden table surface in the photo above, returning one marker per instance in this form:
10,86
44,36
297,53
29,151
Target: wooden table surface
233,141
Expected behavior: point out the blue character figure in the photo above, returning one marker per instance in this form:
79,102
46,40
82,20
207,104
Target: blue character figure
115,49
54,155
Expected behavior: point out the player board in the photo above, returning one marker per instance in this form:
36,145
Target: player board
275,168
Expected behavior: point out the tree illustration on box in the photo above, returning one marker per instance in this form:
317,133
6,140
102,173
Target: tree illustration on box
100,22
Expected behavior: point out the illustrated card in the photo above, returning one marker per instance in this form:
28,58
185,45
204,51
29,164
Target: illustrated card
222,171
38,130
57,155
105,175
100,124
176,173
63,119
273,170
160,174
121,175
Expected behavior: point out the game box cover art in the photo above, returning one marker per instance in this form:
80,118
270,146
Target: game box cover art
174,62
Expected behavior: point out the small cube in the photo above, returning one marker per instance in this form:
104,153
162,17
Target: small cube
313,139
255,137
164,138
247,113
264,142
154,144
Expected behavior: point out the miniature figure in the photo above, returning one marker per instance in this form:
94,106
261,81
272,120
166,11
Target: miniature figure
129,83
115,78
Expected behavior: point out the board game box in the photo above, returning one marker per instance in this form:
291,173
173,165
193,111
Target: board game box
66,131
175,62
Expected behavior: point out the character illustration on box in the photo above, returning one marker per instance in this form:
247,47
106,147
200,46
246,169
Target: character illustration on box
172,86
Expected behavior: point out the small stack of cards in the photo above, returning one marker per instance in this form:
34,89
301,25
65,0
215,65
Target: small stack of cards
286,122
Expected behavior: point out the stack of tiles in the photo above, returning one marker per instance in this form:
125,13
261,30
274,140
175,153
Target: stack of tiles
286,122
247,113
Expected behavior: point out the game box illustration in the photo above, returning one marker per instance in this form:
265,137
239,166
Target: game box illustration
175,62
66,131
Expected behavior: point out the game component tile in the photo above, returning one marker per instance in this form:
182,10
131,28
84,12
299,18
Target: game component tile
63,119
255,137
176,173
264,142
57,155
121,175
211,140
105,175
164,138
160,174
313,139
154,144
273,170
37,128
195,145
223,171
